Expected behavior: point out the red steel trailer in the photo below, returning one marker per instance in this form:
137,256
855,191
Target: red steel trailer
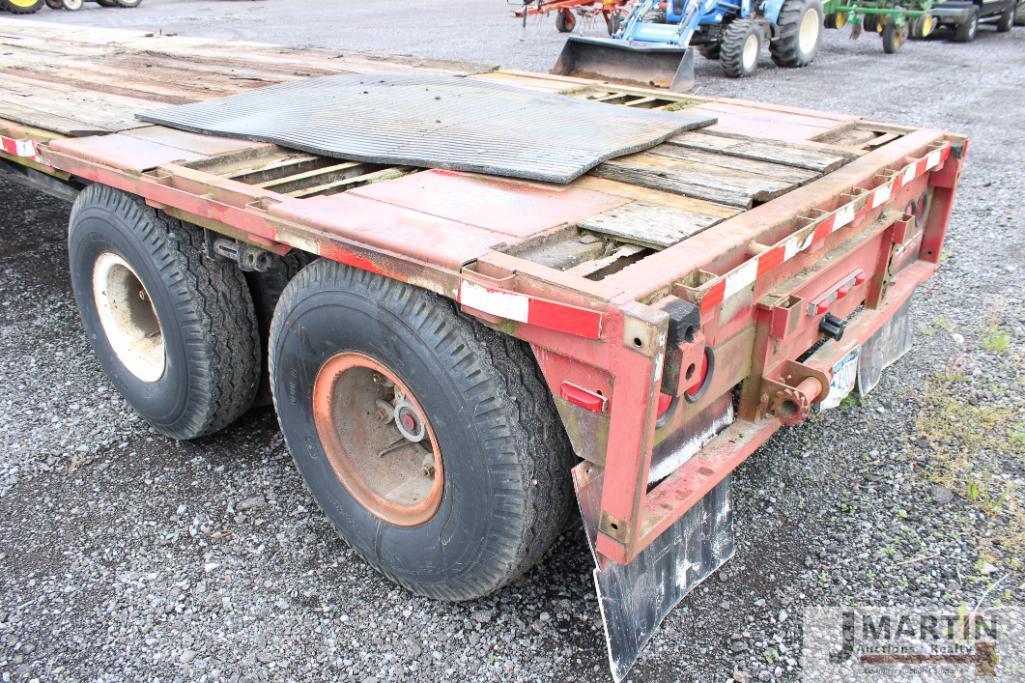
452,354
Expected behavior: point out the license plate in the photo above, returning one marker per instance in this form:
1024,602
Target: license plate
845,374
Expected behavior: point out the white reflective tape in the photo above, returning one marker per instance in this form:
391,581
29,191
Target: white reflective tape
808,239
741,278
933,159
844,215
503,304
909,174
790,247
881,195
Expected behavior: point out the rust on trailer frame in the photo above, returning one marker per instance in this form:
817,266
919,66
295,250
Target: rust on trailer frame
513,254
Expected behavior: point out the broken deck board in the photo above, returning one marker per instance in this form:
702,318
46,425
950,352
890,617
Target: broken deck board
774,151
648,225
694,179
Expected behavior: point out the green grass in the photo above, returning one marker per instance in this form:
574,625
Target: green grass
976,446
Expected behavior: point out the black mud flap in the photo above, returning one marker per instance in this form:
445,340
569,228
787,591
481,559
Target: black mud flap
624,61
636,597
885,348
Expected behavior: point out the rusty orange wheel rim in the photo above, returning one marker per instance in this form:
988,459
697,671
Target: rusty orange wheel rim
378,439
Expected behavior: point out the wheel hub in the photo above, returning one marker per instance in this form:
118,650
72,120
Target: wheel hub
377,439
808,34
127,317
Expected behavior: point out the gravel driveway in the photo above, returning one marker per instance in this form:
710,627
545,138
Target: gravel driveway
126,556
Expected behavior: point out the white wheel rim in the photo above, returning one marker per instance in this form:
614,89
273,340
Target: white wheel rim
127,317
750,55
808,36
73,4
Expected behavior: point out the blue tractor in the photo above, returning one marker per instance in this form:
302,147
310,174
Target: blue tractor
654,44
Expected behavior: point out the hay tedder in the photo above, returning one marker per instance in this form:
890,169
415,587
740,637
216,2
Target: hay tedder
567,11
654,44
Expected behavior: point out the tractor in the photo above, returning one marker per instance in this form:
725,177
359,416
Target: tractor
654,44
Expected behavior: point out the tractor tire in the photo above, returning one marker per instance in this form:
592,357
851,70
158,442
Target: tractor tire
265,289
55,4
565,22
1019,13
1006,20
965,32
738,52
799,33
872,23
893,36
175,331
836,20
614,22
107,3
22,6
486,489
712,51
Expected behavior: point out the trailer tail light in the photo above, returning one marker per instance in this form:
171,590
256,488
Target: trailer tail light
820,304
585,398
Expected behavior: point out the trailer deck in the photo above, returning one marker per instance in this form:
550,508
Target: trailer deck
764,224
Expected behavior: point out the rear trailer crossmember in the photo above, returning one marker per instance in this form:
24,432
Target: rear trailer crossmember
667,366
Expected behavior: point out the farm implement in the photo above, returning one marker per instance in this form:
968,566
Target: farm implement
896,22
33,6
567,12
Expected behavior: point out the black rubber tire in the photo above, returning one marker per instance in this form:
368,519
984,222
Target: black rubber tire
785,49
712,51
1006,21
731,50
107,3
15,9
211,340
893,37
55,4
507,491
265,289
614,22
965,32
1019,13
565,22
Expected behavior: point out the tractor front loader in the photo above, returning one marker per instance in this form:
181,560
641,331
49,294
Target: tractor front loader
654,45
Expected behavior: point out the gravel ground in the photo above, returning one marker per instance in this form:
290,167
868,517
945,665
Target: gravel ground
125,556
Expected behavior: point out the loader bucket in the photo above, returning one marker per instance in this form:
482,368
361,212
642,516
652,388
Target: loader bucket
646,64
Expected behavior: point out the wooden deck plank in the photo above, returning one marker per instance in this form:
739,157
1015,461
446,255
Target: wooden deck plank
720,185
788,154
648,225
798,176
648,195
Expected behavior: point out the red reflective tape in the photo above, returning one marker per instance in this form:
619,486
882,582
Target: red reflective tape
713,297
18,148
562,318
771,259
823,229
